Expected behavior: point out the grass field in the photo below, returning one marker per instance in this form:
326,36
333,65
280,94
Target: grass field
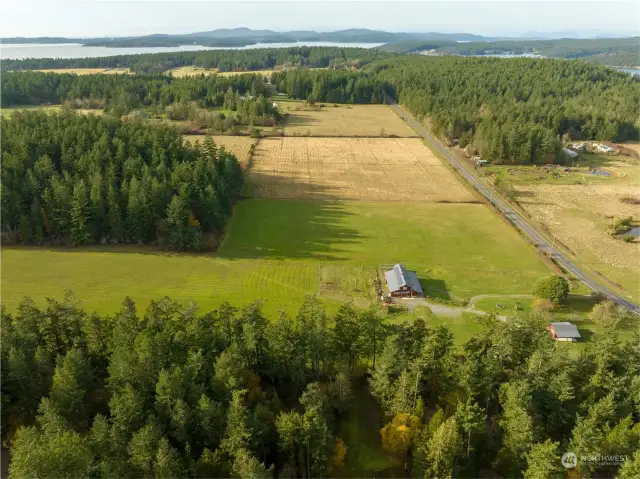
326,119
577,207
279,250
620,170
238,145
6,112
186,71
86,71
579,215
380,169
181,72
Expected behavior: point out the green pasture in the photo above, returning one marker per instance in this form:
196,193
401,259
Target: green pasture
279,250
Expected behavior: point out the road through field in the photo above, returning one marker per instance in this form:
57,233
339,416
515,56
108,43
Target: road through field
515,218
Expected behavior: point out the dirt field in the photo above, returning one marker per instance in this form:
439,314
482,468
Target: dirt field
578,216
378,169
632,146
343,120
86,71
238,145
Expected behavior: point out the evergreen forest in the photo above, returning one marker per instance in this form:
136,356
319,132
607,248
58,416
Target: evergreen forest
174,392
73,179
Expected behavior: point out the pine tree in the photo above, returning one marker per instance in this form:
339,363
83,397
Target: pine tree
176,223
79,213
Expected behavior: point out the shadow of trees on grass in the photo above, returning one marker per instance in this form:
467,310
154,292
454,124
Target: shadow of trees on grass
289,229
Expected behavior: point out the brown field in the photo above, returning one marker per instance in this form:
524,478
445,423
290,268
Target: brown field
180,72
238,145
264,73
86,71
192,71
325,119
378,169
578,217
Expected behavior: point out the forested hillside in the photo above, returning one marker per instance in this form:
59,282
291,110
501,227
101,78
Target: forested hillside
74,179
171,392
224,60
606,51
515,110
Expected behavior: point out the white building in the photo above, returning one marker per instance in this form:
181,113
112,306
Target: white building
605,149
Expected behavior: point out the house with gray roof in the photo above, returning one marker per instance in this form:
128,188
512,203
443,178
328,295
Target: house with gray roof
403,283
564,331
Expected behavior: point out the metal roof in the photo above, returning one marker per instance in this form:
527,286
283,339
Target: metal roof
399,276
564,329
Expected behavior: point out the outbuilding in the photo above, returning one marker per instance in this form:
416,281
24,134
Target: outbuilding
564,331
605,149
403,283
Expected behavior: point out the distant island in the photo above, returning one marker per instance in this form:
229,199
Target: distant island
239,37
618,52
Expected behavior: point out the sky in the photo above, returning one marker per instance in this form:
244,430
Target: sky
96,18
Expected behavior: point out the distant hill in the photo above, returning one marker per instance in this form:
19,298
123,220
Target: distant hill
242,36
608,51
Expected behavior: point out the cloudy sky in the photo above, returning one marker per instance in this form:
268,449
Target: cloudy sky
93,18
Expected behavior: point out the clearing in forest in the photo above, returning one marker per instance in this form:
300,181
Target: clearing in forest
86,71
377,169
240,146
327,119
181,72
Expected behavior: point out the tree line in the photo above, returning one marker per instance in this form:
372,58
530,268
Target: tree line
224,60
73,179
338,86
124,92
172,392
515,110
149,95
509,110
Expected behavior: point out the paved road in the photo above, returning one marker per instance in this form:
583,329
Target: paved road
515,218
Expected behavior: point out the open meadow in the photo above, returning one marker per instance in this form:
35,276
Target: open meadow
7,112
187,71
578,207
240,146
327,119
380,169
280,250
86,71
303,232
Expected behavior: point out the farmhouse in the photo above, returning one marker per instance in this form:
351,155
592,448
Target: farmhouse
564,331
403,283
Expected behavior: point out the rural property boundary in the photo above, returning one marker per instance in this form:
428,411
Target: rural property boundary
516,219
